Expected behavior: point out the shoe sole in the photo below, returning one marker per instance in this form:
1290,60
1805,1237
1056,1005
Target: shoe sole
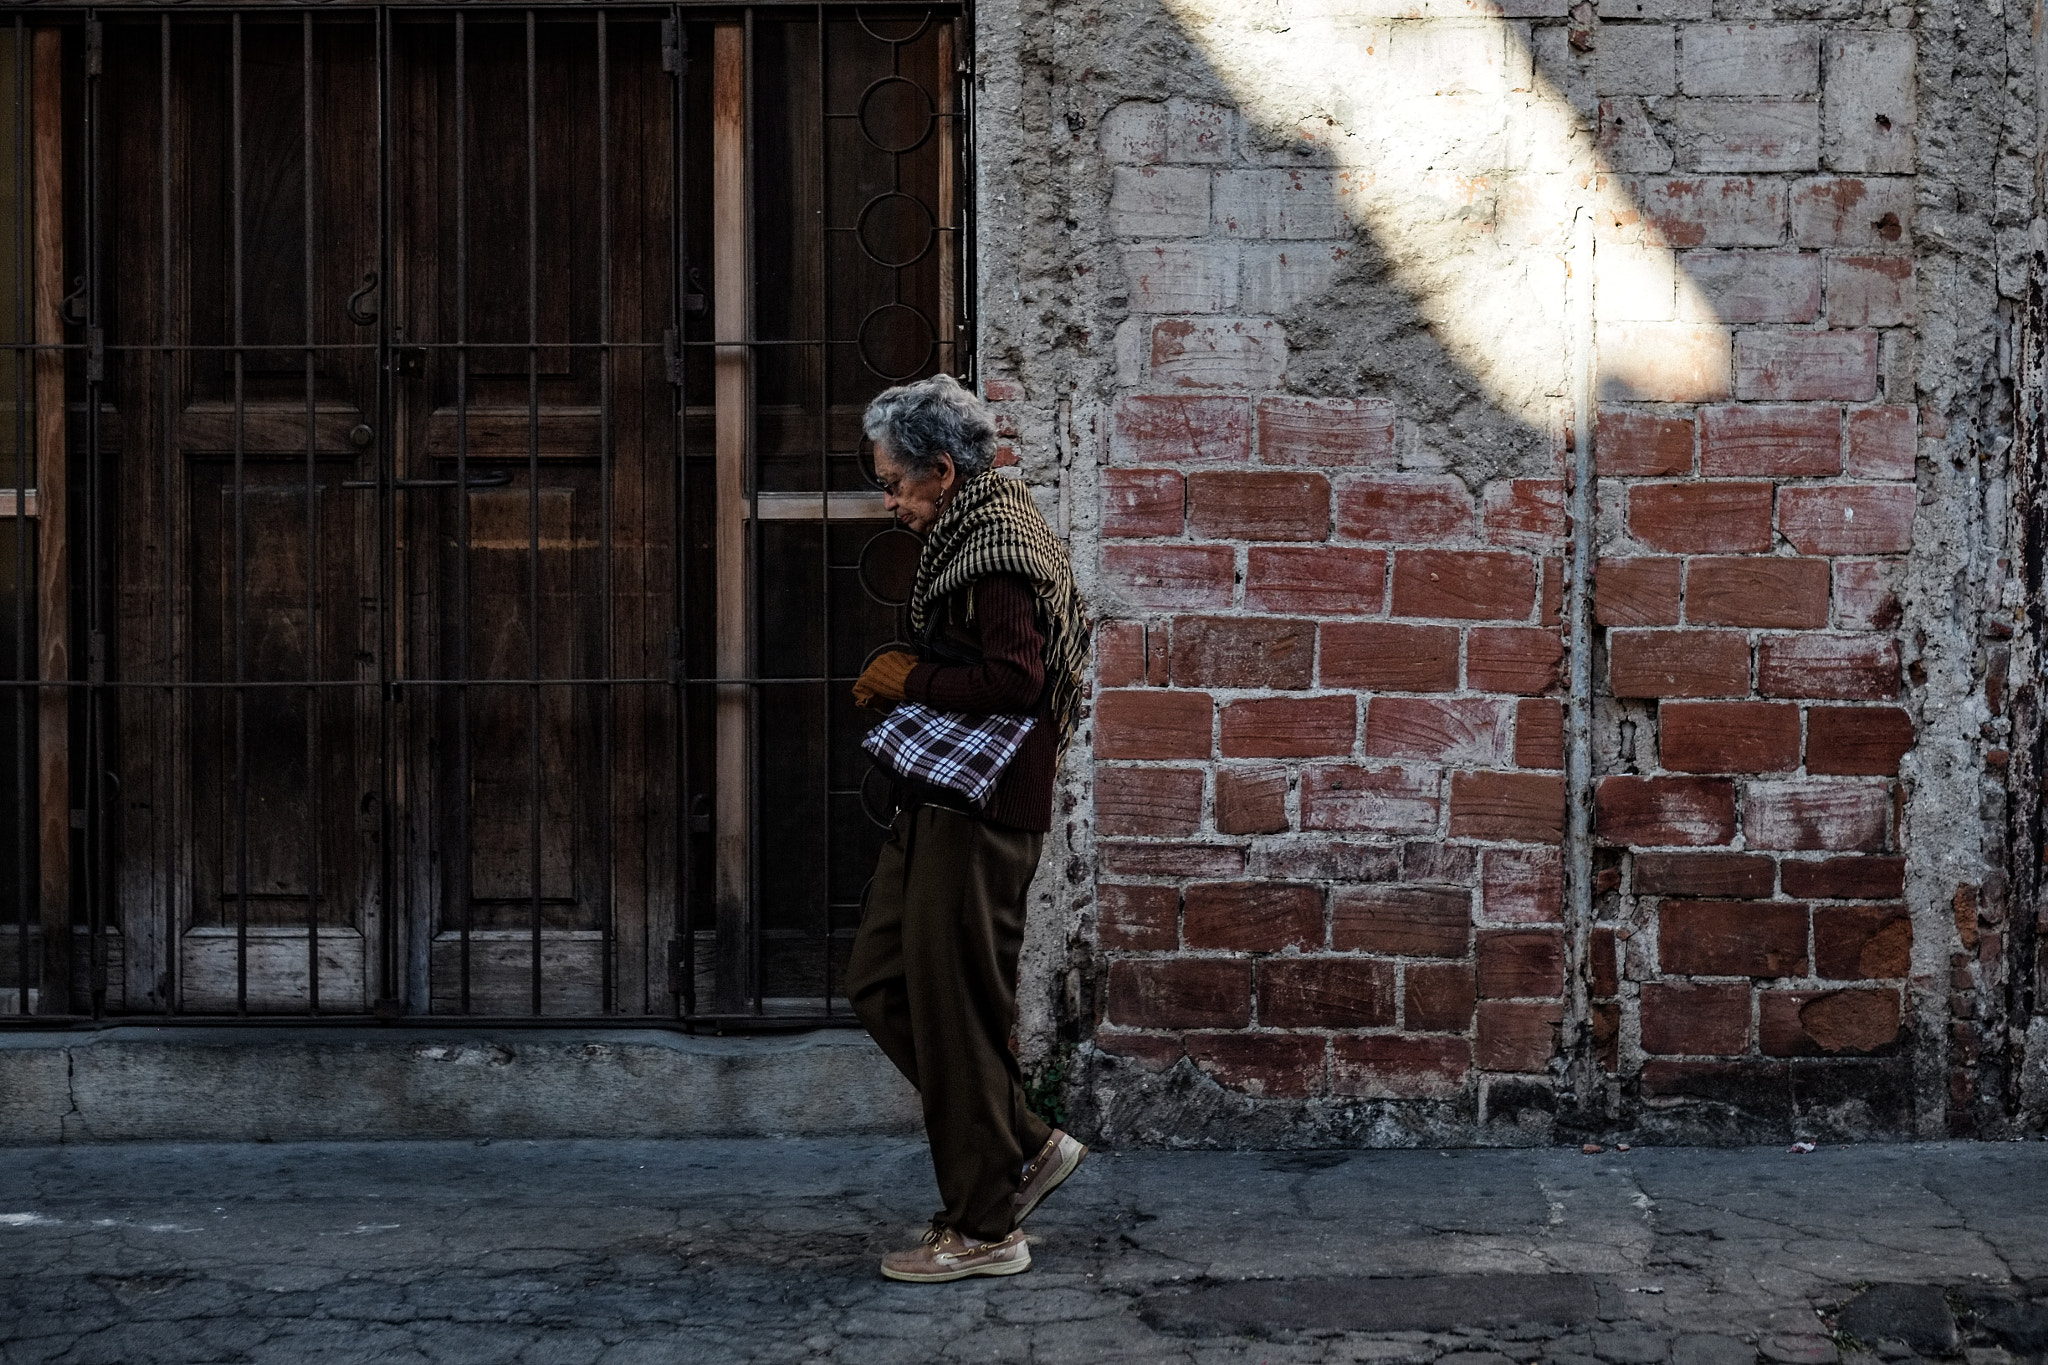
943,1277
1059,1178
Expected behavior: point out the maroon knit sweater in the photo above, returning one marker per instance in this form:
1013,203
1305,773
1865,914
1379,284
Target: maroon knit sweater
1010,680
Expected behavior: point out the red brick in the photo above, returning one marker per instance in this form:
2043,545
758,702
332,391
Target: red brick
1704,874
1469,585
1524,659
1251,800
1636,592
1801,366
1325,992
1171,576
1154,1052
1714,210
1001,390
1379,800
1770,442
1252,917
1731,938
1827,1023
1846,816
1383,1067
1768,591
1846,878
1254,505
1438,996
1328,580
1319,859
1242,651
1374,657
1678,663
1518,1037
1829,667
1642,445
1601,948
1883,443
1120,653
1539,734
1142,502
1865,598
1421,508
1523,807
1855,519
1690,1021
1728,736
1862,942
1734,1085
1852,211
1857,740
1519,963
1459,730
1550,604
1425,860
1175,428
1153,801
1290,727
1402,921
1183,993
1701,518
1664,810
1139,919
1522,886
1125,858
1526,512
1151,723
1356,433
1268,1065
1870,291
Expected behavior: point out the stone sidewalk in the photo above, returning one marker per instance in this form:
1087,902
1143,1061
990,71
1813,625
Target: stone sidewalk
714,1251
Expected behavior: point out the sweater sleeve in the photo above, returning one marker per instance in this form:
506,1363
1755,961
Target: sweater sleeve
1011,674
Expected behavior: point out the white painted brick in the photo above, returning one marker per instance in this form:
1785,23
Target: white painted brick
1182,277
1279,204
1628,138
1868,102
1161,201
1749,59
1635,61
1279,278
1633,284
1198,133
1560,69
1134,133
1748,286
1656,9
1218,353
1871,291
1664,362
1874,213
1750,135
1437,57
1713,210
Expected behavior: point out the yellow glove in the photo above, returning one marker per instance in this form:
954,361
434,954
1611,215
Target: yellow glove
884,679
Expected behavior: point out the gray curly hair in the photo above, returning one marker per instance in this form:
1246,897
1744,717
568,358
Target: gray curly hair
919,422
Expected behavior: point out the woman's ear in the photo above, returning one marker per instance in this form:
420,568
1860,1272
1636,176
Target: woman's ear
949,473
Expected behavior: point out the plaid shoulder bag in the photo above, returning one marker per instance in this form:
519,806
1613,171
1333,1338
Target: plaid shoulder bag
965,754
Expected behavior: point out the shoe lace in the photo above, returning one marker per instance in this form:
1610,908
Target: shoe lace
935,1234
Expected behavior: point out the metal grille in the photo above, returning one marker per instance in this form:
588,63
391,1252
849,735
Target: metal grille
436,542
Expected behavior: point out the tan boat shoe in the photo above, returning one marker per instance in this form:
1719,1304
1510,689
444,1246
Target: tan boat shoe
945,1255
1055,1162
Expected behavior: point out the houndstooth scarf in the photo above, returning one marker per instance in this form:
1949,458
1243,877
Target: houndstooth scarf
992,526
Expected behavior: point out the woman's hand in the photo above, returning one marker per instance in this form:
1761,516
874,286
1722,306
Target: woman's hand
884,678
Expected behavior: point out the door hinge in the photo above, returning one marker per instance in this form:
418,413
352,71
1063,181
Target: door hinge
675,47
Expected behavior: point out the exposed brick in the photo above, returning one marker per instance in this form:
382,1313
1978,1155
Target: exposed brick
1183,993
1752,286
1517,1036
1521,659
1742,1087
1326,580
1829,667
1150,801
1326,992
1281,276
1120,653
1463,730
1522,886
1172,576
1664,362
1883,443
1870,291
1857,740
1550,601
1143,919
1628,139
1402,921
1425,509
1678,663
1355,433
1318,858
1802,366
1750,135
1750,59
1862,942
1219,353
1198,132
1853,211
1866,519
1180,428
1601,949
1279,204
1378,657
1142,502
1290,727
1846,878
1869,101
1642,445
1654,811
1633,60
1524,807
1714,210
1242,651
1849,816
1438,996
1691,1020
1827,1023
1526,512
1731,938
1268,1065
1150,723
1152,1051
1701,518
1518,963
1425,860
1382,800
1158,201
1769,591
1728,736
1539,734
1181,277
1126,858
1252,917
1471,585
1258,505
1865,596
1703,874
1636,592
1251,800
1770,441
1385,1067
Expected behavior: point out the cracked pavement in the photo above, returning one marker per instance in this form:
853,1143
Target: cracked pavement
745,1251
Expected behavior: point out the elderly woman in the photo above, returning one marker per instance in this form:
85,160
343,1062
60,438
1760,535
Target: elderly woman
934,969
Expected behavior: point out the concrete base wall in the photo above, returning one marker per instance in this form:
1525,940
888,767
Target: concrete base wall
195,1084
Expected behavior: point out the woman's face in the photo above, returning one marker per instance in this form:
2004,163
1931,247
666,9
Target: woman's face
914,499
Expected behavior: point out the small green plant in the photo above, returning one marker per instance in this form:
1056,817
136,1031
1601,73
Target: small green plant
1044,1088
